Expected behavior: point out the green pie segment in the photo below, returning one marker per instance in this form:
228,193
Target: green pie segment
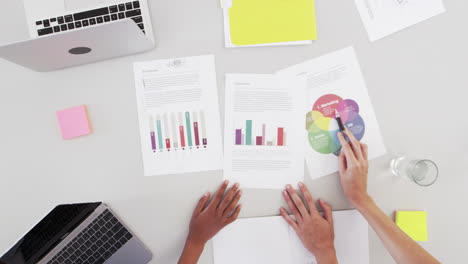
323,141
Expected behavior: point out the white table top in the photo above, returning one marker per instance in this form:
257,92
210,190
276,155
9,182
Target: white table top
417,81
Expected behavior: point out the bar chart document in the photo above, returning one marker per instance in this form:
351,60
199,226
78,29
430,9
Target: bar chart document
384,17
179,117
262,145
271,240
334,83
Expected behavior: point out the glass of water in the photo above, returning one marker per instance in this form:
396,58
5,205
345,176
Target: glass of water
423,172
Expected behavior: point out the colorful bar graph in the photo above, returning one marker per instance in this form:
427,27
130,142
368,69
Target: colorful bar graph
268,136
173,131
248,137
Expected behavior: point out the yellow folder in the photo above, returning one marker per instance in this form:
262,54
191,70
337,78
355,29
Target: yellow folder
270,21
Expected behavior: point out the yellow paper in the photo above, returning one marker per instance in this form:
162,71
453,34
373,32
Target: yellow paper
269,21
414,224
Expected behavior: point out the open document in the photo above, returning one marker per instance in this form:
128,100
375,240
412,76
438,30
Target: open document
334,83
271,240
262,142
179,117
384,17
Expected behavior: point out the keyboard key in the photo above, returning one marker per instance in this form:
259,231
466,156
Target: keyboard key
65,255
99,20
101,251
112,241
121,15
121,7
56,29
99,260
128,6
54,19
78,25
91,13
113,250
98,234
46,23
79,261
132,13
113,9
91,259
118,245
73,257
64,27
99,243
60,259
114,16
106,18
68,261
94,248
92,21
128,236
96,255
137,19
121,233
107,255
38,23
88,244
68,18
71,26
93,239
60,20
141,26
70,250
136,4
85,23
85,236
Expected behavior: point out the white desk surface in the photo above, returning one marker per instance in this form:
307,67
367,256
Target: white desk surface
417,80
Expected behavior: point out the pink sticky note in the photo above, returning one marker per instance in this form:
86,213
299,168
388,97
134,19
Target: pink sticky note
74,122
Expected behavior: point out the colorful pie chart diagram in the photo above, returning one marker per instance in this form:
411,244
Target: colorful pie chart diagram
322,125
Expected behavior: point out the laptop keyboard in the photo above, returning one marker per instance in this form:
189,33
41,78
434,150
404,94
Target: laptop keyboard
96,243
92,17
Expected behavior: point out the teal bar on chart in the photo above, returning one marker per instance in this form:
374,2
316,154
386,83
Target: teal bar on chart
248,135
160,139
189,129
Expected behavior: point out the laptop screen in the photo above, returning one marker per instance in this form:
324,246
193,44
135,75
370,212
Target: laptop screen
48,233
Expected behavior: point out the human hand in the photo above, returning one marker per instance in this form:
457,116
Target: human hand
210,217
354,167
315,231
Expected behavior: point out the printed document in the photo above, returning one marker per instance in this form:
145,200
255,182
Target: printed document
178,112
262,142
334,83
384,17
271,240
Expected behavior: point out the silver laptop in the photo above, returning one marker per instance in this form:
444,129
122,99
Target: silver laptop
79,233
66,33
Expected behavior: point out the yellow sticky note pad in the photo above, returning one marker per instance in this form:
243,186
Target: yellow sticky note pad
414,224
270,21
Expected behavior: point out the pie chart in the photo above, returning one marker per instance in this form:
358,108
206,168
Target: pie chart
323,128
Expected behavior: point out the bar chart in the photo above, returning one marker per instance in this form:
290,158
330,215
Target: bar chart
178,131
266,136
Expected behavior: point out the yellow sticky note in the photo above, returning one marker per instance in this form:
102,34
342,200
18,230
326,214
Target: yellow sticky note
270,21
414,224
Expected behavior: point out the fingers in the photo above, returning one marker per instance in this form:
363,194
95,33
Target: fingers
308,197
364,151
232,205
292,206
327,211
228,198
355,144
346,149
343,165
201,204
234,216
297,201
288,218
219,195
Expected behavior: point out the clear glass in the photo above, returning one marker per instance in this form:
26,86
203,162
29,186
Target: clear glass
423,172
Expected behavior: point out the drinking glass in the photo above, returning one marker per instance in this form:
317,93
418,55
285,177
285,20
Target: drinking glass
423,172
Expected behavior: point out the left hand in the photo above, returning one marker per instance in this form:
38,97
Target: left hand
210,217
315,231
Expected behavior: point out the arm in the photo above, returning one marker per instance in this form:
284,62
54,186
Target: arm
208,219
353,175
315,231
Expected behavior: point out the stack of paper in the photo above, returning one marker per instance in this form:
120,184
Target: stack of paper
271,240
269,22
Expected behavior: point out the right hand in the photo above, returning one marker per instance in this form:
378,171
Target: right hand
354,167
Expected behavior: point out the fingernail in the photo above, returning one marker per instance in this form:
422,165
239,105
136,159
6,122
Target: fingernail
301,184
225,182
206,194
288,187
285,193
236,185
240,193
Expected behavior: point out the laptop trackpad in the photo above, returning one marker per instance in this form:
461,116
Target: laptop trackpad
72,5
